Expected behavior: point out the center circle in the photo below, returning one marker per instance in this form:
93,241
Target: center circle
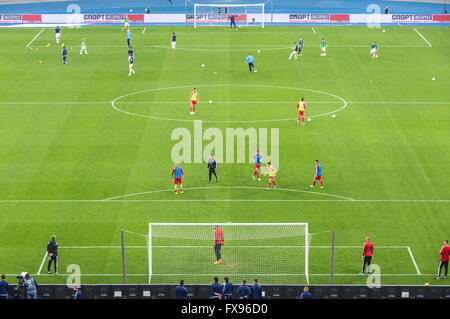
212,107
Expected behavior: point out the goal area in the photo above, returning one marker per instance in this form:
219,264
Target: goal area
219,14
275,253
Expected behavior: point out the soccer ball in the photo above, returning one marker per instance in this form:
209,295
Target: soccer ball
256,71
384,30
333,116
203,65
376,56
433,79
259,51
210,101
309,119
131,10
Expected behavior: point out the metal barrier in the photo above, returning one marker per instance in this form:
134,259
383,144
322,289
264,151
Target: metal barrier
269,292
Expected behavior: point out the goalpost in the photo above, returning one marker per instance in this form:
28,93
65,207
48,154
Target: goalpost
275,253
218,14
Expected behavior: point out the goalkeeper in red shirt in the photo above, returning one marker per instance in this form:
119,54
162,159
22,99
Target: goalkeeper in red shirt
218,243
367,255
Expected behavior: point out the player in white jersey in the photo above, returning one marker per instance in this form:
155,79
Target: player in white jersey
83,45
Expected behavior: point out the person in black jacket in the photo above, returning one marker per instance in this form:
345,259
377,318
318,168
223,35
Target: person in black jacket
52,250
212,166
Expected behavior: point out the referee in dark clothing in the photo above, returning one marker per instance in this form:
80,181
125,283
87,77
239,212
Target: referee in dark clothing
212,166
52,250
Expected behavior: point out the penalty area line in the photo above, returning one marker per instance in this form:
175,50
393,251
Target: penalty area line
29,43
429,44
413,260
42,263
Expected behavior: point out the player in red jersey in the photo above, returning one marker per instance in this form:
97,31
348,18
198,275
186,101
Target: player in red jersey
194,101
301,111
367,255
258,159
177,175
218,243
318,175
445,254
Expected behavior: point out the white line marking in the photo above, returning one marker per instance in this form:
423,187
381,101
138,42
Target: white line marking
177,200
225,85
412,258
143,31
422,37
35,37
42,263
216,102
209,247
146,275
314,30
228,187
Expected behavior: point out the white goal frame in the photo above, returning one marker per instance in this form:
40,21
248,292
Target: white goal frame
149,243
217,5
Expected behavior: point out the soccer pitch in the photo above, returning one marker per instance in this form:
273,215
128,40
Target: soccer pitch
86,149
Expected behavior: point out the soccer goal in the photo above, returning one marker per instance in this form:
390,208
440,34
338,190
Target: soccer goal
275,253
219,14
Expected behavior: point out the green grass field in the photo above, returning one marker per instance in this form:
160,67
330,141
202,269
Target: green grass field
65,148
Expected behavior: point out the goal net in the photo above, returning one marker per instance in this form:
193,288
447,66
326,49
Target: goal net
273,253
219,14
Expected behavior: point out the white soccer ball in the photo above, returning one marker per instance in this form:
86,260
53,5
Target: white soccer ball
376,56
384,30
210,101
259,51
256,71
433,79
203,65
309,119
131,10
333,116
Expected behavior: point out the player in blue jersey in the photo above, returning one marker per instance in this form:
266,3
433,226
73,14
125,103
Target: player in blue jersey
257,158
173,41
318,175
129,36
58,34
251,60
64,54
300,46
131,61
294,52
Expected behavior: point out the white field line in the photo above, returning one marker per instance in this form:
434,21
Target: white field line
222,102
209,247
43,29
36,201
143,31
229,187
215,274
422,37
42,263
413,260
314,31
